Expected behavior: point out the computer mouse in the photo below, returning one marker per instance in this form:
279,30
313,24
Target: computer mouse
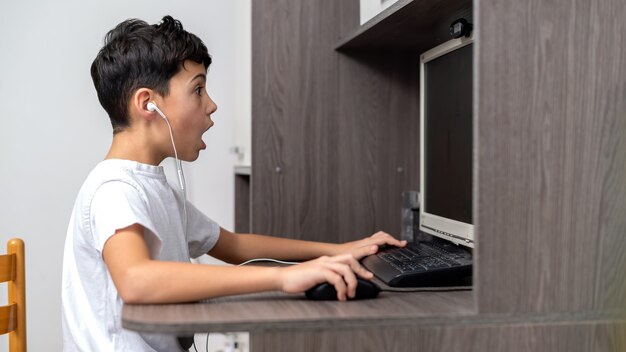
365,289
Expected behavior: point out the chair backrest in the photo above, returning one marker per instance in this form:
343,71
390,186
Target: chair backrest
13,315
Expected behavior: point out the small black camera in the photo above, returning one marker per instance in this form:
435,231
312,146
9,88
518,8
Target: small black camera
460,28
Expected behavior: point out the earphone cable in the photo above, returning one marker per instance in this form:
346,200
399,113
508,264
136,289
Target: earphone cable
179,169
268,260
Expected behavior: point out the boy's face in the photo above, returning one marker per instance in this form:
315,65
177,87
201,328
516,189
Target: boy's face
188,108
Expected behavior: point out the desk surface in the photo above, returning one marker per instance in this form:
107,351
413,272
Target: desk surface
258,312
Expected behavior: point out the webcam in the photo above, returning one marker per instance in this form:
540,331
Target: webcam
460,28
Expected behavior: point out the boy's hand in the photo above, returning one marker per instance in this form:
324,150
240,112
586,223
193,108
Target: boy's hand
339,271
369,245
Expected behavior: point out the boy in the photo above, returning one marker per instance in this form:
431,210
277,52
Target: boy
131,235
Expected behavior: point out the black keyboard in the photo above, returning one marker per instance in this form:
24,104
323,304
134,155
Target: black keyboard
433,263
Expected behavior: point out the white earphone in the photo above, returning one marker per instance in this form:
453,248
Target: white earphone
152,107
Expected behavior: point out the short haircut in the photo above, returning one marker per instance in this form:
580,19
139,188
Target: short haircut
138,55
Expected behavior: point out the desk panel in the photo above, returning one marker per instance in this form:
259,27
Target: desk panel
606,336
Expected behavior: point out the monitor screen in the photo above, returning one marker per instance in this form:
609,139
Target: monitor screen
447,141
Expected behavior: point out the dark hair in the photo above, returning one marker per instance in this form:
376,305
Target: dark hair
137,55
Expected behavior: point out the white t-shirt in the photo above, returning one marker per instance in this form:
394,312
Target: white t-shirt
117,194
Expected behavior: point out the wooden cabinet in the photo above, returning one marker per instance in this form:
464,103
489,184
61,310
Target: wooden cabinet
335,142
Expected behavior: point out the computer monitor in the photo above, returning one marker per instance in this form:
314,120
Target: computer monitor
446,141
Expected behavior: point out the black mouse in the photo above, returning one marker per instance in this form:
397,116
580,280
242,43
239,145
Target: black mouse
365,289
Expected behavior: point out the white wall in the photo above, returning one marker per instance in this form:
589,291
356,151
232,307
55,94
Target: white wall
54,131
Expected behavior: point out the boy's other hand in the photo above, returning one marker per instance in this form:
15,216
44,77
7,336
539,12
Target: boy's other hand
369,245
340,271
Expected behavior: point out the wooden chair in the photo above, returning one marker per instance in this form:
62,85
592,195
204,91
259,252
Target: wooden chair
13,315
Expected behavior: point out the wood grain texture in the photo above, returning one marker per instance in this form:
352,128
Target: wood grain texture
281,311
330,131
7,267
294,118
242,203
379,146
335,136
551,156
8,321
606,336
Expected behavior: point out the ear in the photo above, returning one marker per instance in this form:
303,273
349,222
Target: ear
139,104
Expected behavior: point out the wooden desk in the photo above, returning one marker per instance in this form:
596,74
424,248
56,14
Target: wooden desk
278,311
425,321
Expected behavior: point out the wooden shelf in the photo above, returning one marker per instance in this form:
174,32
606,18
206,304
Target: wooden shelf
408,24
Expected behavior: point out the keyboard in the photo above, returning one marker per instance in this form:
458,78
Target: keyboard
430,263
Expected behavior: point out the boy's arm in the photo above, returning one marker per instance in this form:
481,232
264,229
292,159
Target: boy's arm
139,279
237,248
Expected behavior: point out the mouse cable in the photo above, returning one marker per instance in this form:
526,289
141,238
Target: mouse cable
207,343
194,345
268,260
